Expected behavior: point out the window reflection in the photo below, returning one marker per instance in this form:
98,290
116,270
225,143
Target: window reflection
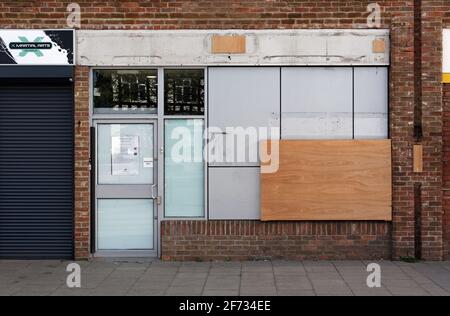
125,91
184,91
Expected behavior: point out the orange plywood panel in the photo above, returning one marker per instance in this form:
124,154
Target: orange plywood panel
228,44
418,158
379,46
329,180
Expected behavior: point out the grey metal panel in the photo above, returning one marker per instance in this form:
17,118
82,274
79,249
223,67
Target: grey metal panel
243,97
124,191
36,72
36,172
371,102
317,103
234,193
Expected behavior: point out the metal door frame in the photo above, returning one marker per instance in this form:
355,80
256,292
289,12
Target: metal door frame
154,188
158,118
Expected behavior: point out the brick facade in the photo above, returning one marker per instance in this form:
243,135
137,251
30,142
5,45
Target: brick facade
431,107
82,173
446,151
303,240
446,161
250,240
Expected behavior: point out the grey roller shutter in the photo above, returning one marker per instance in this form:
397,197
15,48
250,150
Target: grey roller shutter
36,170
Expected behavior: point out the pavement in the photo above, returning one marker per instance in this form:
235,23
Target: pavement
259,278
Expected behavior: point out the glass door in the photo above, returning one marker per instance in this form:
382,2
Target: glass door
126,188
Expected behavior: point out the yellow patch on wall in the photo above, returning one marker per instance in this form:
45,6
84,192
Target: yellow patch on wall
446,78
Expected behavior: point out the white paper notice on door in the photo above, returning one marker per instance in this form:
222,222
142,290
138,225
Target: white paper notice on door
148,162
125,156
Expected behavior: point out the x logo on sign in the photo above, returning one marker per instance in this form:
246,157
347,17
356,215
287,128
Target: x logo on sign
25,52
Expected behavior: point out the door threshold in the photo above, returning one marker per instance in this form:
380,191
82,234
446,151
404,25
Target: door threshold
125,254
119,260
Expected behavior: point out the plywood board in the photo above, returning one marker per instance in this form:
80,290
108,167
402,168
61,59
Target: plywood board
228,44
379,46
329,180
418,158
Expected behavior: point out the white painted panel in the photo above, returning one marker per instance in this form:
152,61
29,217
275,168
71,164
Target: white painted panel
446,47
317,103
234,193
247,98
371,103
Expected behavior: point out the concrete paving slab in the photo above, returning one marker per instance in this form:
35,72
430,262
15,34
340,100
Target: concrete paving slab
212,292
283,292
146,292
258,278
184,291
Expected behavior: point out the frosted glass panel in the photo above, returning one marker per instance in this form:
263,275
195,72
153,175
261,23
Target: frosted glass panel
125,154
184,168
125,224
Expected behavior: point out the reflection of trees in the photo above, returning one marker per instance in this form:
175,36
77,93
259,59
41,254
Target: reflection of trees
184,91
118,90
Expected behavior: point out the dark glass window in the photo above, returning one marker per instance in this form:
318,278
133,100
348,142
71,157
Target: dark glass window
126,91
184,92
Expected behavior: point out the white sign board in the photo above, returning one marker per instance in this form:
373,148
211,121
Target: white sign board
37,47
446,56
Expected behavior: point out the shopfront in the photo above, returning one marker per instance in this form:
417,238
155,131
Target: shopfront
174,142
148,130
169,128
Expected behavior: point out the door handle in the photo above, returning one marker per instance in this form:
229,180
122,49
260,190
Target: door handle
154,194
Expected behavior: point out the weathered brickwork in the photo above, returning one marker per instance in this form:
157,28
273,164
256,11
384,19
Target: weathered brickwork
446,151
250,240
431,105
446,161
305,240
82,174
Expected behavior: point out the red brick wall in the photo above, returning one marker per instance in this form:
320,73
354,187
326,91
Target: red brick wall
82,174
401,128
249,240
446,152
446,178
205,14
397,15
431,104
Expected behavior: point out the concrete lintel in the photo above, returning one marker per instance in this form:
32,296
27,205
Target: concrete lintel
263,47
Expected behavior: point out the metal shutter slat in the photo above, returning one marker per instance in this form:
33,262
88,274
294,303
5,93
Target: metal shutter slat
36,172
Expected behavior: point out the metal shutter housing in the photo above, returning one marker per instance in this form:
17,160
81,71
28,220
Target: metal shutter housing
36,169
